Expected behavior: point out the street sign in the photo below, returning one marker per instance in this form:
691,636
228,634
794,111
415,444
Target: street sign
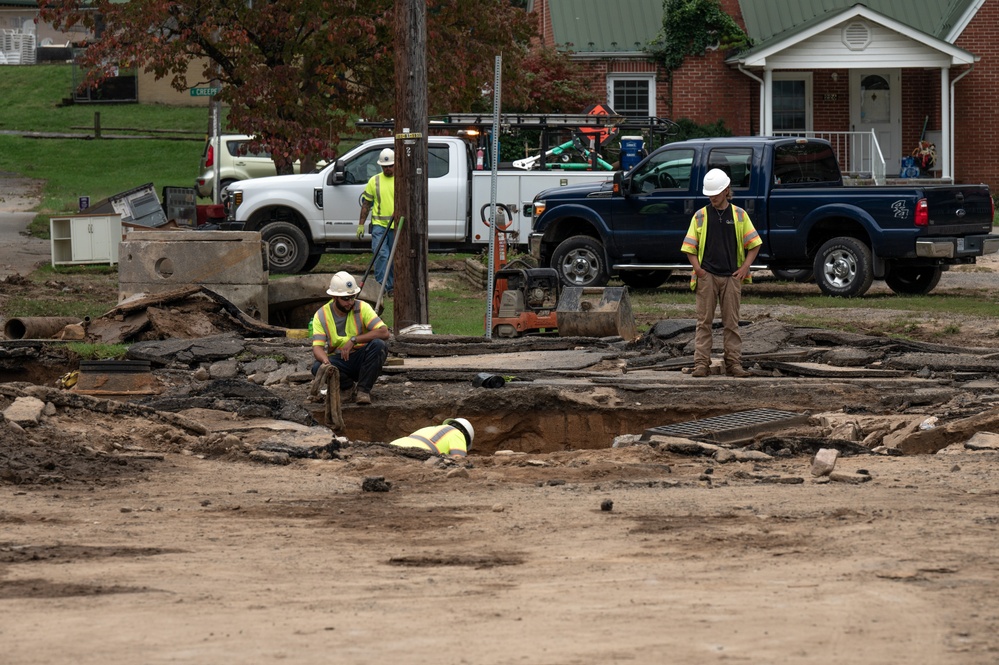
204,92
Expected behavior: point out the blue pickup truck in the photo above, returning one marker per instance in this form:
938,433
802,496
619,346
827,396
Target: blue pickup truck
812,225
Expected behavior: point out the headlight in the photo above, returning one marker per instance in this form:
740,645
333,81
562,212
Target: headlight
539,208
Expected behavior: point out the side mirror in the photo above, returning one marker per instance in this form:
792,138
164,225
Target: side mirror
622,184
337,176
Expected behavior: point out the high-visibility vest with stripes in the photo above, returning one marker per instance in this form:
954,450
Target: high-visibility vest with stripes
361,319
380,193
439,439
746,238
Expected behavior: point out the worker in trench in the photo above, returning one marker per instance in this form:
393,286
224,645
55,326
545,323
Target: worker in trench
348,334
451,438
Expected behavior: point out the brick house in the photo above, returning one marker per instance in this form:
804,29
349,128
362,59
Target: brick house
836,69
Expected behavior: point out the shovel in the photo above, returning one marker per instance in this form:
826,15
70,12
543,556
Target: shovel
371,292
395,243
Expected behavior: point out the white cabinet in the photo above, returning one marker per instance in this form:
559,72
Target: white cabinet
85,239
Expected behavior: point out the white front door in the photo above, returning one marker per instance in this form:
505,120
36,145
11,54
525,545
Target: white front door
876,104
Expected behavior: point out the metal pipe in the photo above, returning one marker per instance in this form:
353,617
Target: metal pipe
39,327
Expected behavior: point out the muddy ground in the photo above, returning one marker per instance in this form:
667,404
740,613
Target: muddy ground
217,519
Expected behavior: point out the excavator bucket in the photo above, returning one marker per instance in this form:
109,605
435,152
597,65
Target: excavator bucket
595,312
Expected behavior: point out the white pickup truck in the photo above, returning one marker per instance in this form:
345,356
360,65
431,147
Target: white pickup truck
303,216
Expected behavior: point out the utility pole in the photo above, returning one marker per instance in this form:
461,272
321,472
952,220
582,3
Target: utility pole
411,126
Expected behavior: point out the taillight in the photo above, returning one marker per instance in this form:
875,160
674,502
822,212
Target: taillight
210,156
922,213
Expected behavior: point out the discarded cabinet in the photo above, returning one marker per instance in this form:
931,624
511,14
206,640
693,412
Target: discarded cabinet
230,263
78,239
596,312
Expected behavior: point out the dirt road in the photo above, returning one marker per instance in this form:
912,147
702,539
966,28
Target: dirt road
131,535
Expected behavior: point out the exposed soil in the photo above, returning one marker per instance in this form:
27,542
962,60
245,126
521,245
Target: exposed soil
219,521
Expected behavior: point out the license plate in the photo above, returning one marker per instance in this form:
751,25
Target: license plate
960,244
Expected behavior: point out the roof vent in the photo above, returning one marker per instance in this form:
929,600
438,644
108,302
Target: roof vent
857,36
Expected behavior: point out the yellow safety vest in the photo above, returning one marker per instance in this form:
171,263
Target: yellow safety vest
439,439
380,194
745,233
361,319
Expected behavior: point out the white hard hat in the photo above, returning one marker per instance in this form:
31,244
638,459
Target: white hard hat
715,182
465,426
342,284
386,157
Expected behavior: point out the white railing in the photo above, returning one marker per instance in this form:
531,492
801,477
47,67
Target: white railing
859,153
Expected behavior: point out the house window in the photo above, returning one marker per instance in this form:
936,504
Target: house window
632,95
792,102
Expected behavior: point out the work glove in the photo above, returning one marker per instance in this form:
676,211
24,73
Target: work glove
360,231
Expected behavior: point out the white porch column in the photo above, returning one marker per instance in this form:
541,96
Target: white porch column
768,101
944,150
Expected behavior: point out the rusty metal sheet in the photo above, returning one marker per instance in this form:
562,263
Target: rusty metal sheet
736,427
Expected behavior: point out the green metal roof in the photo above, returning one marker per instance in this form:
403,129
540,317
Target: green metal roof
626,26
605,26
766,19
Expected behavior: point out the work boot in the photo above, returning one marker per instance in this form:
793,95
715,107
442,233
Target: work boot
701,371
736,371
363,397
347,395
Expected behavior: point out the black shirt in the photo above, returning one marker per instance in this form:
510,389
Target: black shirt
720,255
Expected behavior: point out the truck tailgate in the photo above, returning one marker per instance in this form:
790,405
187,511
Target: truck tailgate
957,209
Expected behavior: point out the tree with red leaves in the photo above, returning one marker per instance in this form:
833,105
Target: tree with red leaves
296,72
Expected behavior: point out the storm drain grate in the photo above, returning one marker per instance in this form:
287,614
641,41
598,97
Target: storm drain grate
730,428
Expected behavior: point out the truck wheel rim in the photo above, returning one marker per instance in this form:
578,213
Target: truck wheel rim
840,268
579,267
281,250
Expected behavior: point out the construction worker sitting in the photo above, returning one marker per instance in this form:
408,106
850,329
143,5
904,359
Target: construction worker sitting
453,437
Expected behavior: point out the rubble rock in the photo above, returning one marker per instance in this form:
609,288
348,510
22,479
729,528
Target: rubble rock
824,461
983,441
851,478
24,411
225,369
270,457
849,357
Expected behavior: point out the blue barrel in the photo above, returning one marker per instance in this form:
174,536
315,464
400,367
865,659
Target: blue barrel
631,151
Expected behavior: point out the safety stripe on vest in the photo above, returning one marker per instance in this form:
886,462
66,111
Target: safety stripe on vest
427,442
378,203
327,313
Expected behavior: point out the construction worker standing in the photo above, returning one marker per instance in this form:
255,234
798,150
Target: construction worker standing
721,245
453,437
379,198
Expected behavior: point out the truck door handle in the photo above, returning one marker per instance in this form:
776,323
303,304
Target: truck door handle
688,207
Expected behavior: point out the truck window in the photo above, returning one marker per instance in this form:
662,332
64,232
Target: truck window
796,163
361,168
669,169
438,164
736,162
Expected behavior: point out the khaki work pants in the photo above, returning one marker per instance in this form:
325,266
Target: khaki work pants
713,291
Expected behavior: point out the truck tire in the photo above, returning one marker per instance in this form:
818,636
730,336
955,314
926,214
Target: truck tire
843,267
913,281
287,247
800,275
644,279
579,261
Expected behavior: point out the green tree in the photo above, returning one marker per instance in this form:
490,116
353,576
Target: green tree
690,28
